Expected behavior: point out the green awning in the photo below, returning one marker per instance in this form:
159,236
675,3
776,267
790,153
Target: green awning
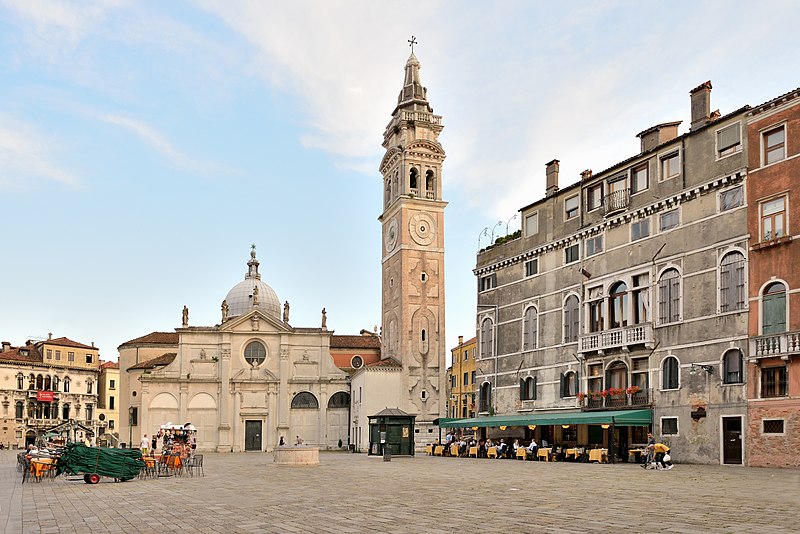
616,417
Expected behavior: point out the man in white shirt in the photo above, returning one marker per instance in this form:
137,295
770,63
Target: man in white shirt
145,444
532,448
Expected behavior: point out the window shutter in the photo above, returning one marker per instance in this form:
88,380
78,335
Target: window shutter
535,387
675,291
522,389
562,381
728,137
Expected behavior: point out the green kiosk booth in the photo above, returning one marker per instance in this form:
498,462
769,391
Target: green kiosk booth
392,428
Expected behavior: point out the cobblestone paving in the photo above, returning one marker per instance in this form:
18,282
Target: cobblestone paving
354,493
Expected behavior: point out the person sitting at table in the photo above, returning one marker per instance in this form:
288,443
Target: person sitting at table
462,447
661,450
514,448
502,449
532,449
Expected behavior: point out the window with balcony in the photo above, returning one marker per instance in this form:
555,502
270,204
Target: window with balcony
618,305
488,282
640,178
594,197
639,375
732,294
640,229
527,388
729,140
487,331
670,166
594,245
731,198
569,384
669,373
531,267
774,145
430,185
572,253
617,198
571,207
532,224
571,319
732,363
529,328
641,298
773,309
668,220
669,297
595,382
774,381
617,375
773,219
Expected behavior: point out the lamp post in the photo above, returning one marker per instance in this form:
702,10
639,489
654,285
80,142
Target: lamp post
493,228
485,232
130,426
509,222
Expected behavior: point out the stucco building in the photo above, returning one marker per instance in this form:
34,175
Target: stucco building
461,378
773,197
44,384
626,292
108,404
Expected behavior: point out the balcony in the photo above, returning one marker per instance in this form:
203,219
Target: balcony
615,201
642,399
421,116
617,338
775,345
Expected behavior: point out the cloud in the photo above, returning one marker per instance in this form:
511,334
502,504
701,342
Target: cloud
27,155
163,146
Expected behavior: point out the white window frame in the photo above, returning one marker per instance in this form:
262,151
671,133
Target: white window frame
536,260
719,198
535,218
491,285
667,155
717,155
773,433
589,207
661,373
577,208
723,370
649,221
594,240
489,352
762,145
761,203
660,215
631,177
677,425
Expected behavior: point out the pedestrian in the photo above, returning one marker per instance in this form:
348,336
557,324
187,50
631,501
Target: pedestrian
153,444
299,441
145,444
662,456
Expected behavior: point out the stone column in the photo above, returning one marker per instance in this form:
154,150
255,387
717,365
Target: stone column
283,389
323,417
271,424
225,440
236,444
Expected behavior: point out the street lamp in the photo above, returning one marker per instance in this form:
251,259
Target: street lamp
509,222
495,226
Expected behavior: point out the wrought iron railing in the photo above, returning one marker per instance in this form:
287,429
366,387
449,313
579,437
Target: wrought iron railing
615,201
620,402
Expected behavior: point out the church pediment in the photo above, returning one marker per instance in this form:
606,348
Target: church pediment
254,375
255,321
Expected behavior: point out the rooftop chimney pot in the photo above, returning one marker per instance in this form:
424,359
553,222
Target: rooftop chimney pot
701,105
552,178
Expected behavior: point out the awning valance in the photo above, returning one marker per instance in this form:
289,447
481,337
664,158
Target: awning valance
616,417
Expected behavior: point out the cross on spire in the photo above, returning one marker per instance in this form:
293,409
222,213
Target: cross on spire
412,42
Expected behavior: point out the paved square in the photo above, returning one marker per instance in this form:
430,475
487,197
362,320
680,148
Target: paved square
354,493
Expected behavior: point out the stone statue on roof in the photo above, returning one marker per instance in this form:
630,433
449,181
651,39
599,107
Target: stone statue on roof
255,296
224,310
185,318
286,312
324,318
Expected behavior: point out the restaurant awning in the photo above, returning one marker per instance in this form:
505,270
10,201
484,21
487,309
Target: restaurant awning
616,417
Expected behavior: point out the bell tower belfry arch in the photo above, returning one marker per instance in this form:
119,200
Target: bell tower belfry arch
413,298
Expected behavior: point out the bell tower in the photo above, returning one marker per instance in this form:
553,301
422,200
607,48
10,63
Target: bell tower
413,252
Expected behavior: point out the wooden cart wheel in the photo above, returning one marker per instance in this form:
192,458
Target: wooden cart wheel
94,478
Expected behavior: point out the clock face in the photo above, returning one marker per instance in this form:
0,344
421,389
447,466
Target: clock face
422,228
390,239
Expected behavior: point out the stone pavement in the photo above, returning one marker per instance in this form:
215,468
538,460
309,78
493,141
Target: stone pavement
354,493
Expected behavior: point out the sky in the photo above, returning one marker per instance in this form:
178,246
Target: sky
144,146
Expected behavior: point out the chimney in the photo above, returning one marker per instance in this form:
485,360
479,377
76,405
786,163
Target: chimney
460,340
658,134
585,175
701,105
552,178
6,346
93,344
49,336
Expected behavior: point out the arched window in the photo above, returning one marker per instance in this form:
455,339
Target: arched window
669,373
55,383
527,388
732,367
66,386
571,319
773,309
39,382
65,409
618,305
430,184
255,353
48,383
487,340
486,397
412,182
529,329
732,295
89,412
304,399
32,381
669,297
20,381
569,384
89,385
340,399
19,410
617,375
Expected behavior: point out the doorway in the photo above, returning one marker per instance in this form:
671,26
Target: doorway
732,440
621,443
252,435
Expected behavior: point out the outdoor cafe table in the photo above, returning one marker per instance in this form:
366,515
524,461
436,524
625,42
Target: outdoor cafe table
454,449
634,454
572,452
429,450
597,455
544,453
521,452
40,465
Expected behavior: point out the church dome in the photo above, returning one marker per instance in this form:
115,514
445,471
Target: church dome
243,297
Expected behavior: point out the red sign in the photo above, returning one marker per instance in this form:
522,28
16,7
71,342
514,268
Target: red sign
46,396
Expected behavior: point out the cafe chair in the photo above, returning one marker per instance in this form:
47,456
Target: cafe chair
195,465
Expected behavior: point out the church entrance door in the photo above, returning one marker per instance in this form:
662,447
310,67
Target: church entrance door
252,435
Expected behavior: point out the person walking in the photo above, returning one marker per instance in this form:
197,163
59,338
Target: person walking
662,456
145,444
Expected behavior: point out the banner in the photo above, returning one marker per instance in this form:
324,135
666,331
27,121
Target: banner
45,396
